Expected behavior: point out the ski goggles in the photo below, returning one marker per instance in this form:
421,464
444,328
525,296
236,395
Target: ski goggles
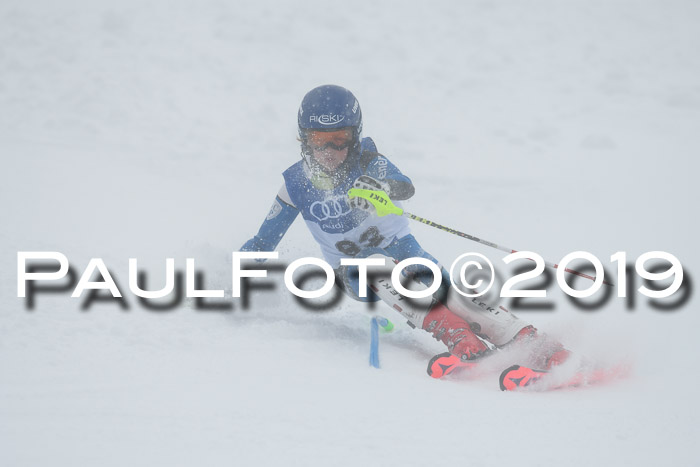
338,139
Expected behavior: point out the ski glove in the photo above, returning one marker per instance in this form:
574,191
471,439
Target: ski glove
365,182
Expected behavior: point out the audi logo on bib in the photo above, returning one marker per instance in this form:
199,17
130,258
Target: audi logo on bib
332,208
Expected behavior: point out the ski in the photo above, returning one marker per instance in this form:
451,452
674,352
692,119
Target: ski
445,363
519,377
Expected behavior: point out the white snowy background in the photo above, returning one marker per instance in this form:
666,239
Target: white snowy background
157,129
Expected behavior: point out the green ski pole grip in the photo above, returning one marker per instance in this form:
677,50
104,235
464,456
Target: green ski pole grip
379,199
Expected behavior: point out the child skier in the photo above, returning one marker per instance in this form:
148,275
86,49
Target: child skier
335,158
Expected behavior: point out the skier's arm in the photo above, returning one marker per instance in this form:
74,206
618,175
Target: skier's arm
380,168
275,225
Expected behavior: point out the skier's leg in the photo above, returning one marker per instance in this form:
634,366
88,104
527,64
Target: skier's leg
428,313
501,327
540,350
492,322
348,279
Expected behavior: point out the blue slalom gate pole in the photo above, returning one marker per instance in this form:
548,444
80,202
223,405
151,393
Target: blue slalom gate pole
374,338
374,343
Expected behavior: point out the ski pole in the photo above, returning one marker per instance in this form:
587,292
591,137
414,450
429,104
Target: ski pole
384,206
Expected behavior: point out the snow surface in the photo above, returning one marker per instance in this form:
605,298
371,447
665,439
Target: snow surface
156,129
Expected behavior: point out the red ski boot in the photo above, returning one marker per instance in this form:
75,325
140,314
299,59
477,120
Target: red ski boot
543,351
454,332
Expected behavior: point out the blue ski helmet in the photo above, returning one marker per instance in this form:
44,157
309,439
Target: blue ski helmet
330,108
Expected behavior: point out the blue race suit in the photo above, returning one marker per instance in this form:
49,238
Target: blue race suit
340,230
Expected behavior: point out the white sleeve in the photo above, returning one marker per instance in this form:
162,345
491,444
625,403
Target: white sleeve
283,194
